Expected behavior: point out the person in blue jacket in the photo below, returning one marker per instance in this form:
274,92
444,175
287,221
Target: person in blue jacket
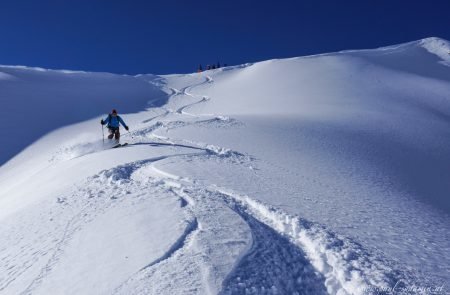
113,122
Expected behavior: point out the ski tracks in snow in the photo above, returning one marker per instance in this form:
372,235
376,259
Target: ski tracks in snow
231,243
288,254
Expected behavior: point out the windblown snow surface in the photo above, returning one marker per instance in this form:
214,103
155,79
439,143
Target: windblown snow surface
325,174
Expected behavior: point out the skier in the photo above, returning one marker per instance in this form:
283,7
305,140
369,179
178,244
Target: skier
112,122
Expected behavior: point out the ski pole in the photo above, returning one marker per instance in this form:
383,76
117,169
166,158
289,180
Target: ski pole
103,134
130,134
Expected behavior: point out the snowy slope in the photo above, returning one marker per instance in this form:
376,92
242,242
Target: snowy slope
36,101
311,175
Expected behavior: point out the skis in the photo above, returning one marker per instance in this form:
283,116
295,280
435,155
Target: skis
120,145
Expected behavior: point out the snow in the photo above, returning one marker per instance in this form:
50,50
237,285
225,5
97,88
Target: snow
36,101
439,47
323,174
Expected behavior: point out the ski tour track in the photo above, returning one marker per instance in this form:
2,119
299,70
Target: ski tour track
287,254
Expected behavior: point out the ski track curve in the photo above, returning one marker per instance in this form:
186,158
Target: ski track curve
51,229
273,265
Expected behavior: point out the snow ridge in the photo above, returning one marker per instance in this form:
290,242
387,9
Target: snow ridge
439,47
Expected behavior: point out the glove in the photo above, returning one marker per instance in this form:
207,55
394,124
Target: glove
101,122
126,128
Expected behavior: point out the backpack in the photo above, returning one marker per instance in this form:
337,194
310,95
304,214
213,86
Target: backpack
109,118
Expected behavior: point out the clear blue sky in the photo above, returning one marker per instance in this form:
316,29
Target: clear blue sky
168,36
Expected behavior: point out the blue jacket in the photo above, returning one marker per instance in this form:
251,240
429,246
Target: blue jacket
113,121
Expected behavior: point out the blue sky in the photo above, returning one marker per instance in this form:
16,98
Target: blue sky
161,37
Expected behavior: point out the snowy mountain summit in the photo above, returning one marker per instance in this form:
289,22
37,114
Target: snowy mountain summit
325,174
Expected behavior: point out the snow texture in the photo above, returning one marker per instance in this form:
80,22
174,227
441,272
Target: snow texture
324,174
